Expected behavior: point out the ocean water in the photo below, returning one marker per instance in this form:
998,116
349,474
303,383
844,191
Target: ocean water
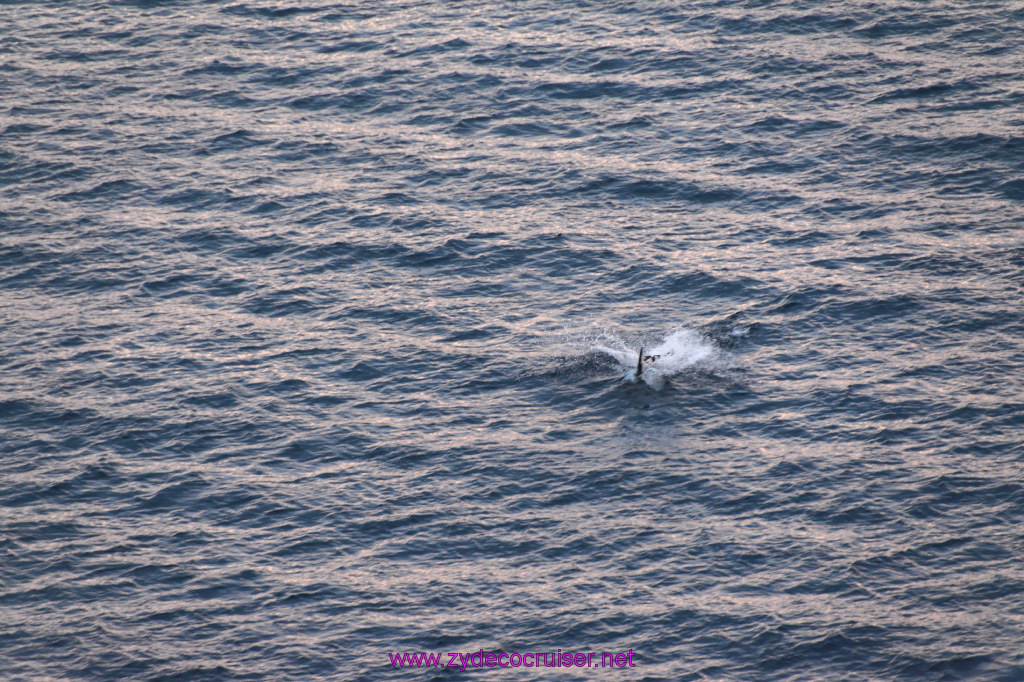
318,319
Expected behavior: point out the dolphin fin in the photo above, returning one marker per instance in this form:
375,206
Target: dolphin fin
639,364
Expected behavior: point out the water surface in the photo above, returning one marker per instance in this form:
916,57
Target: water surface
314,318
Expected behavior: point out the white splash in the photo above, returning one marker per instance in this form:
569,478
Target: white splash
680,350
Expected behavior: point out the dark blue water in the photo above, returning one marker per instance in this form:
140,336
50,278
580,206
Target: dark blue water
314,319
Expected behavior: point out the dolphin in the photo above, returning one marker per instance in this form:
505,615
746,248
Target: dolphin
636,376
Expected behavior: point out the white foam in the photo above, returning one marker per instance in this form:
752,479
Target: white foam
680,350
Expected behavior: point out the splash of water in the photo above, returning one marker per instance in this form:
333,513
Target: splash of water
680,350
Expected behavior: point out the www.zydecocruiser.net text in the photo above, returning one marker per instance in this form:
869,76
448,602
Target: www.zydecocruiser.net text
479,659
